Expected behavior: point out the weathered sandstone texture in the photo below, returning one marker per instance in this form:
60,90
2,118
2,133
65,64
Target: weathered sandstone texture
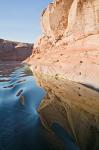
14,50
65,62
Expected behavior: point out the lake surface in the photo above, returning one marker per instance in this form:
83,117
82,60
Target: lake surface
20,126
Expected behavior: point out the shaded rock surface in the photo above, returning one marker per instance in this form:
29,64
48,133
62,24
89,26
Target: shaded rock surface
65,62
16,51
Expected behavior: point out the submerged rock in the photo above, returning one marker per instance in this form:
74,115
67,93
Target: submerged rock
22,100
66,64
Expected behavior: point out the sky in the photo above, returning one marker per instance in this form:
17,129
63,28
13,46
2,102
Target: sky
20,19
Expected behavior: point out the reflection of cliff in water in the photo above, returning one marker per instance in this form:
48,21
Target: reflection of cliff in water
7,67
73,106
20,126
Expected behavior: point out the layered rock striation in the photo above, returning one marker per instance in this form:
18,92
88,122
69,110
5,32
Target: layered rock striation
65,62
14,51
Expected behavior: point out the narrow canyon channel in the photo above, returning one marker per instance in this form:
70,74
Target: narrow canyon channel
20,126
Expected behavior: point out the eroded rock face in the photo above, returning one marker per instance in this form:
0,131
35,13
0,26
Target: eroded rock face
83,19
72,18
66,64
14,50
55,18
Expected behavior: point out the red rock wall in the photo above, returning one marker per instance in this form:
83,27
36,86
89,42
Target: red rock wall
14,51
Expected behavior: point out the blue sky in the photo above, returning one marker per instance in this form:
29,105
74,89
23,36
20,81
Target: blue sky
20,19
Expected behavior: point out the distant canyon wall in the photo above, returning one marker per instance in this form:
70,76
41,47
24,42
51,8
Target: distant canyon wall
14,51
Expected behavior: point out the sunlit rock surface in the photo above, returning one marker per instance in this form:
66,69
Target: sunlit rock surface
65,62
16,51
55,18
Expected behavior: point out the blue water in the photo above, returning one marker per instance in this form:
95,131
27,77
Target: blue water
20,126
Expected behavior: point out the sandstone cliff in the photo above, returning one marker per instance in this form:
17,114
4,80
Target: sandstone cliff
66,63
14,50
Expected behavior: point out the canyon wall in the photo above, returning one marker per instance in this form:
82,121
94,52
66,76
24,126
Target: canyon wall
65,62
14,51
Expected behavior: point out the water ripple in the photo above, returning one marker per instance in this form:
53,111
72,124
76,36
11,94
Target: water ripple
20,126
